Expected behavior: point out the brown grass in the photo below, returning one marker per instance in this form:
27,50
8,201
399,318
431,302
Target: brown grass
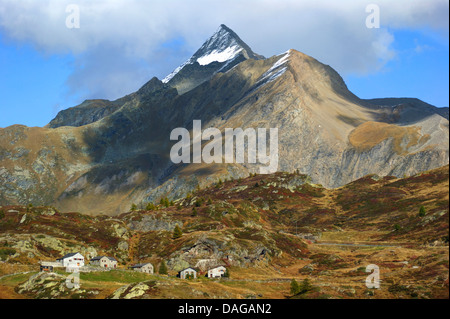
368,135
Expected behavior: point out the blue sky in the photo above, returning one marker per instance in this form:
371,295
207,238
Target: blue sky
32,86
420,70
46,67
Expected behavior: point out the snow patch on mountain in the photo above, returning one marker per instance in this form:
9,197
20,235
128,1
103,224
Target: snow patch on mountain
175,72
276,70
219,56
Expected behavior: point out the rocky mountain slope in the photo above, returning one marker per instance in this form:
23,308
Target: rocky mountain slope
118,151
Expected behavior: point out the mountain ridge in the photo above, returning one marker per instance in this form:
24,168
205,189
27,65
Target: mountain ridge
123,156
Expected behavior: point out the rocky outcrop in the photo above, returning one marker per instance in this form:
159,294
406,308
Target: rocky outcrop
38,246
234,249
45,286
89,111
133,291
51,285
150,223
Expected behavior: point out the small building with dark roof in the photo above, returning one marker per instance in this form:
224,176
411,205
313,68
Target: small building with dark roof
104,262
144,267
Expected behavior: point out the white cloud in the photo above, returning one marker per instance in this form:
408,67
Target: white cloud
120,42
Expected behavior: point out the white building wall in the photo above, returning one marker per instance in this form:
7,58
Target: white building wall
73,261
216,272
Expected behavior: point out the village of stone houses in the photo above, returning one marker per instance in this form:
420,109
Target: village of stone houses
75,262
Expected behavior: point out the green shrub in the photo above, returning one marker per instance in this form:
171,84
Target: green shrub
164,202
294,287
300,289
162,268
305,286
177,232
422,211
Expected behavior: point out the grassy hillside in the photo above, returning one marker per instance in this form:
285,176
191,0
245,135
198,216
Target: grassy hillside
267,229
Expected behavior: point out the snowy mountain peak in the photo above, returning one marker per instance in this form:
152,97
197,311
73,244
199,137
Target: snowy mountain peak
224,46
